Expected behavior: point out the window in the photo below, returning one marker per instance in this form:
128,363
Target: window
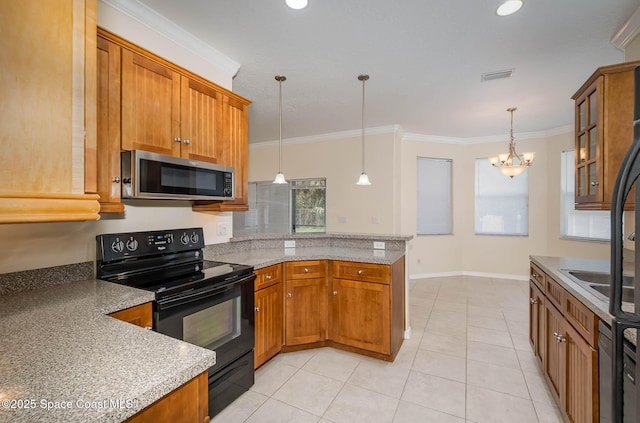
434,196
585,224
502,203
308,202
298,206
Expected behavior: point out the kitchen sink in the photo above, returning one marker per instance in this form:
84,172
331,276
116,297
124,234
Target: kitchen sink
605,290
598,277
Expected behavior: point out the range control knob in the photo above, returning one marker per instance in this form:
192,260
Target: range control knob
117,246
132,244
184,238
194,237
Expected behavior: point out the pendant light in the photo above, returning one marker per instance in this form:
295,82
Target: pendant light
280,176
506,162
364,179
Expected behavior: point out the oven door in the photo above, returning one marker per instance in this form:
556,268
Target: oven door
219,318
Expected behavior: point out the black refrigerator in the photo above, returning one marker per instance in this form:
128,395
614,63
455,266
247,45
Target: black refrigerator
629,319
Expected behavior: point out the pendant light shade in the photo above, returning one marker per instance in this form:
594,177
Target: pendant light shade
511,163
280,176
364,179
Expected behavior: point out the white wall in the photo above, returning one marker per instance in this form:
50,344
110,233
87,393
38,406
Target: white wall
35,245
350,207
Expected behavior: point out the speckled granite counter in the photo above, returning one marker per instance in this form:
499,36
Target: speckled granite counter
553,266
59,348
267,257
268,249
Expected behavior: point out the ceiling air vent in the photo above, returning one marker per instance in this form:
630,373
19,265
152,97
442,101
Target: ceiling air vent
490,76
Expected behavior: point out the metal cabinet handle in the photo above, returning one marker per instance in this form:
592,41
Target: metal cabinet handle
594,183
186,141
257,309
268,277
562,338
335,293
360,272
289,295
535,275
148,328
177,139
306,270
116,179
533,301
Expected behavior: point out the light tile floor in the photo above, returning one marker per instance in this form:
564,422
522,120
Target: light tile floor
468,360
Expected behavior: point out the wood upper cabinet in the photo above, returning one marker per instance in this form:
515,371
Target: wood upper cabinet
603,131
140,315
48,99
200,121
108,121
269,322
150,105
306,302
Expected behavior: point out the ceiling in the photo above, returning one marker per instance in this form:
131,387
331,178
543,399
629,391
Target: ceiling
424,57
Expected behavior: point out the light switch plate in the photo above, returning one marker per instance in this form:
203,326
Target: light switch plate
378,245
289,244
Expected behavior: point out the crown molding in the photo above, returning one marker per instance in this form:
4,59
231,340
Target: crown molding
160,24
628,31
327,137
488,139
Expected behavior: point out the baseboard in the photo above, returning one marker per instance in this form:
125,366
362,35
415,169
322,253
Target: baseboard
465,273
407,333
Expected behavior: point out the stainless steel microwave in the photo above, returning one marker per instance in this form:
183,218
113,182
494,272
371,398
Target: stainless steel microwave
156,176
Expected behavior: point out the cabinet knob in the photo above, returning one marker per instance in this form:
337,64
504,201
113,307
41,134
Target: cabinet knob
289,295
186,141
360,272
177,139
148,328
116,179
533,301
562,338
306,270
257,309
268,277
594,183
335,293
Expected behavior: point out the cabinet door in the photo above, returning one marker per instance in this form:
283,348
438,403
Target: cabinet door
580,396
536,321
269,323
108,122
554,352
589,144
140,315
199,121
360,315
150,105
305,311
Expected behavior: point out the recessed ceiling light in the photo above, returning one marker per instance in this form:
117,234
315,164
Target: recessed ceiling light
297,4
509,7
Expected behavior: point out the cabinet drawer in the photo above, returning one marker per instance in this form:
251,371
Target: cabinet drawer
268,276
306,269
537,276
366,272
555,293
582,319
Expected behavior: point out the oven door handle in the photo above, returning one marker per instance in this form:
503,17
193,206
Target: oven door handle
178,300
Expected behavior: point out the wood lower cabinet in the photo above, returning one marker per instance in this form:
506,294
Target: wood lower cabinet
367,307
269,314
537,337
569,350
306,302
140,315
187,404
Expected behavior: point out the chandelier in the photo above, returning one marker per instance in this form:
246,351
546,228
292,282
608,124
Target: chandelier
511,163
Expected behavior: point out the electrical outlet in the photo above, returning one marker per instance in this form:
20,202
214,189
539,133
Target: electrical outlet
378,245
223,229
289,244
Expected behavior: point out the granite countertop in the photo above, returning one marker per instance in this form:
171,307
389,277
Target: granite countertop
329,235
59,349
554,266
269,256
